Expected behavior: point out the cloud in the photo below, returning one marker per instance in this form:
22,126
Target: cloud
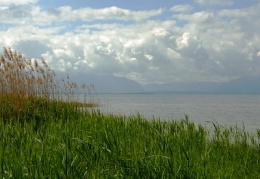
31,48
181,8
201,17
29,14
116,13
215,2
191,45
241,13
15,13
19,2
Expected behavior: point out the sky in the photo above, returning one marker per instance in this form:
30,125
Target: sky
146,41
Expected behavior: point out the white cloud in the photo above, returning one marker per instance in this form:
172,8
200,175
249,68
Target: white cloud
25,14
202,45
116,13
197,17
182,8
148,57
215,2
241,13
8,2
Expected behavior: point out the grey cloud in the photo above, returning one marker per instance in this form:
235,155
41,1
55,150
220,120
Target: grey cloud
31,48
53,11
20,11
15,12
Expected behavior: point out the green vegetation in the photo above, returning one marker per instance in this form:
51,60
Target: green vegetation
43,135
94,145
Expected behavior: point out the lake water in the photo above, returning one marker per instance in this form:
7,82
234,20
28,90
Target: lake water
226,110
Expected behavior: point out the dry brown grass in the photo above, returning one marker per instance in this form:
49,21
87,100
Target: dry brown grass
24,81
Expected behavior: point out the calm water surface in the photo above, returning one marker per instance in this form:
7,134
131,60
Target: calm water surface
226,110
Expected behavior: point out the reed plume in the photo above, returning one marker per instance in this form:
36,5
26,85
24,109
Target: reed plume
25,82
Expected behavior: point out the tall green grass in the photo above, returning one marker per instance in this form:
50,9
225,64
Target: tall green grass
94,145
43,135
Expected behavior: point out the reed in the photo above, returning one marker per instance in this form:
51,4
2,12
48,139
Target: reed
29,87
96,145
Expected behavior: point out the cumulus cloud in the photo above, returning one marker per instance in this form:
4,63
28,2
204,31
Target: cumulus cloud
191,45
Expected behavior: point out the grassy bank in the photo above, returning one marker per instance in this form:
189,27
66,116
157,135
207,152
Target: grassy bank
94,145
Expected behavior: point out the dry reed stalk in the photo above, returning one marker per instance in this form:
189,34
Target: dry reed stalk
23,80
